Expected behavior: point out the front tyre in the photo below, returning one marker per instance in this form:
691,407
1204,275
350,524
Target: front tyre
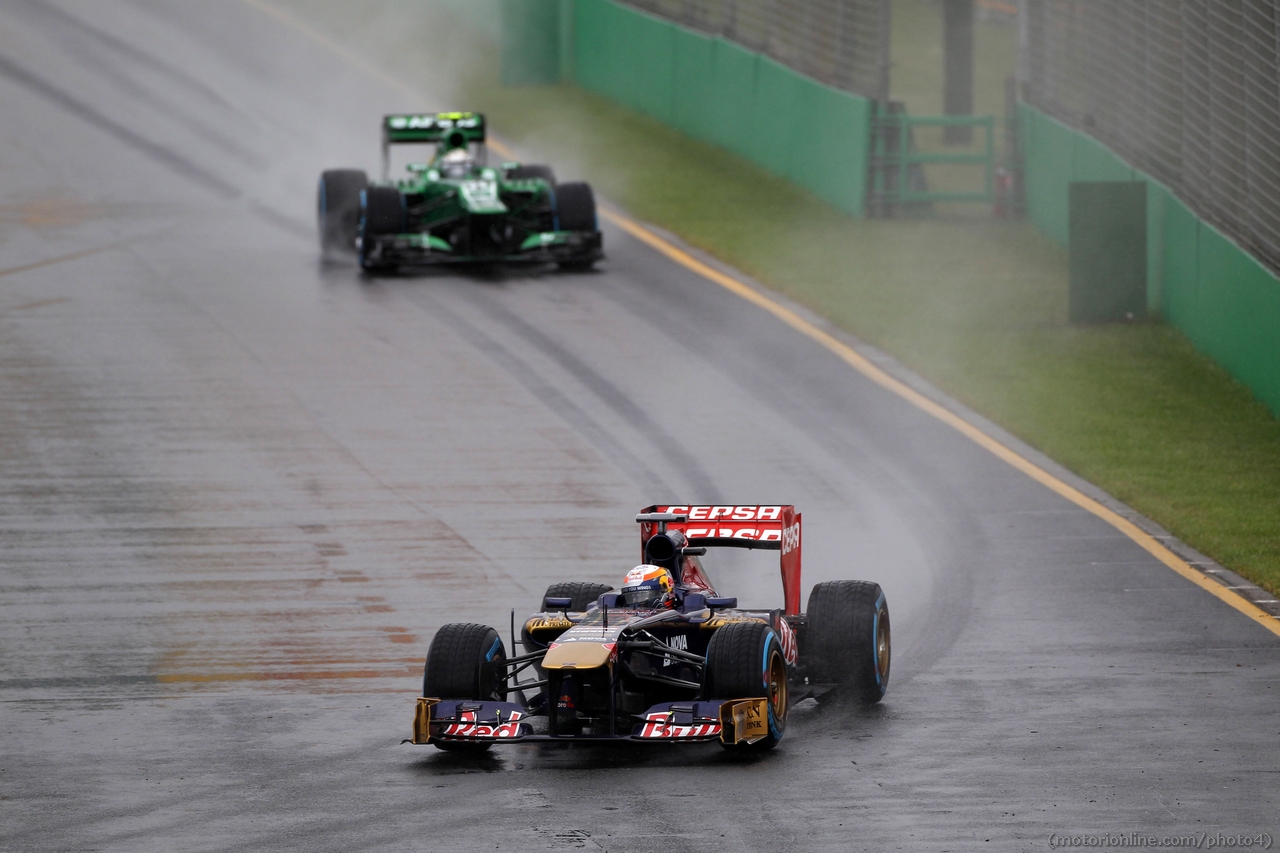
465,661
745,661
576,211
382,213
338,209
846,639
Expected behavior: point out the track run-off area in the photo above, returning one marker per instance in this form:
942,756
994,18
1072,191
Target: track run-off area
242,488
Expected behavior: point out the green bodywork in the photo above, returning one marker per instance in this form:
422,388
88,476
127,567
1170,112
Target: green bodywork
457,207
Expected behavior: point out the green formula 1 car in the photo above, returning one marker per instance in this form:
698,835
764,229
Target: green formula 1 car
455,208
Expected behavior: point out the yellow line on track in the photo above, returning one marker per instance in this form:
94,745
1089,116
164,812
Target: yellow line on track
850,356
864,366
58,260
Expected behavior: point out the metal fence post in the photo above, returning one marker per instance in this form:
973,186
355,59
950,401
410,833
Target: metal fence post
957,64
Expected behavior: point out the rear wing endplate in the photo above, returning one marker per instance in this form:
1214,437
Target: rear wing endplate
773,528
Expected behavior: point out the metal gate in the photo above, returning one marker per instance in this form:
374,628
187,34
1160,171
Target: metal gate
898,182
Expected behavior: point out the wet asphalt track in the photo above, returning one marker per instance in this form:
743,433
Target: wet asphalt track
240,490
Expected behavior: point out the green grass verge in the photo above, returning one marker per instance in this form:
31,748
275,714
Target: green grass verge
978,306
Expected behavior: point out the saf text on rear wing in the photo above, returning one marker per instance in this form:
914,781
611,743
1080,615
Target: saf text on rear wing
458,130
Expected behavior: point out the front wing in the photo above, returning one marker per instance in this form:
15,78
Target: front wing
729,721
423,249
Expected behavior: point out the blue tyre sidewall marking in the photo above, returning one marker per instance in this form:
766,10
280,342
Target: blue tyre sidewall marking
875,642
770,639
364,206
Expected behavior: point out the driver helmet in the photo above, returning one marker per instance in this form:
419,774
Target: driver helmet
457,163
648,586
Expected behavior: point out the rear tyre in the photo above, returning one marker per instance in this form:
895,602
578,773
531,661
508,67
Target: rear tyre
381,212
846,639
745,661
466,661
338,209
527,171
582,595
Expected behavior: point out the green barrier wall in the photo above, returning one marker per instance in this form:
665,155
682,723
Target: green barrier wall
484,15
594,57
695,59
733,87
1198,279
530,42
716,91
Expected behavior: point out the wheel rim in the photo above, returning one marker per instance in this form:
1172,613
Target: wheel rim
882,645
778,687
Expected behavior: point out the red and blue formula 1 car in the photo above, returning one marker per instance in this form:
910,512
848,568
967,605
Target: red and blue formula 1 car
667,659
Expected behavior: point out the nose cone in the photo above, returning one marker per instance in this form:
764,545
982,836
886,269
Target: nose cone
582,654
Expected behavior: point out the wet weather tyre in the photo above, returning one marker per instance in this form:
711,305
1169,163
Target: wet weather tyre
528,171
576,211
381,212
576,207
582,595
461,665
338,209
745,661
846,638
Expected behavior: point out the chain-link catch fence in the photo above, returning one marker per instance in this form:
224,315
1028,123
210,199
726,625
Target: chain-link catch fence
1188,91
843,43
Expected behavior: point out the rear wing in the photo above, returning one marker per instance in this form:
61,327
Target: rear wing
432,127
773,528
457,129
